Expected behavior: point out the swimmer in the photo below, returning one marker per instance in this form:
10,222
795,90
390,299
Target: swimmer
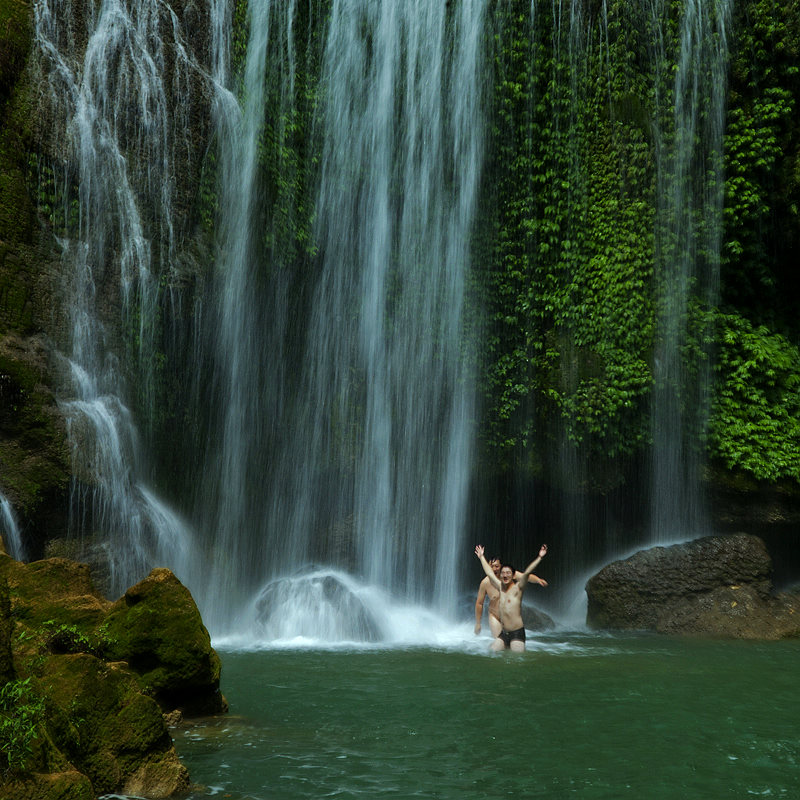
511,588
486,589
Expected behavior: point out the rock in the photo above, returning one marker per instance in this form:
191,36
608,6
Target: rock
110,730
536,620
70,785
714,586
34,455
98,724
56,590
6,627
156,628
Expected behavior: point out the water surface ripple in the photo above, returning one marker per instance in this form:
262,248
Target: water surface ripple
576,716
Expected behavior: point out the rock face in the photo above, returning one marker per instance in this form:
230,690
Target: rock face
39,201
156,628
714,586
94,680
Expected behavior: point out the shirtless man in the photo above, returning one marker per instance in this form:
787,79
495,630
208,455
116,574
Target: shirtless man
486,589
512,635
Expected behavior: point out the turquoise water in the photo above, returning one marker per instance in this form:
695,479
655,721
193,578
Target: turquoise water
575,716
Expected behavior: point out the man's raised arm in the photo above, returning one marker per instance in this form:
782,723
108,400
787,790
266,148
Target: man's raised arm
486,568
522,581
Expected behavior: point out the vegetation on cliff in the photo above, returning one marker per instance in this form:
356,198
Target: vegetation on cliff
571,259
569,284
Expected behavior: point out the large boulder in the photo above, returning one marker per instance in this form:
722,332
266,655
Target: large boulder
111,731
156,628
90,681
714,586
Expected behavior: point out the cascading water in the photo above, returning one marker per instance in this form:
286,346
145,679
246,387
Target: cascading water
331,413
351,447
683,61
9,530
108,94
688,229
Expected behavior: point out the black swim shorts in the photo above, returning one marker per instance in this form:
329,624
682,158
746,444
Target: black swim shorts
508,636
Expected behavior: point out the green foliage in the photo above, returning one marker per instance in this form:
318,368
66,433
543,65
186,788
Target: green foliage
569,199
287,152
21,711
56,199
63,638
755,420
208,196
762,150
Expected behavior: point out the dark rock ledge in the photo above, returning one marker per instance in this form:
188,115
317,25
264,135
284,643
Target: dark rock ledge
95,682
717,586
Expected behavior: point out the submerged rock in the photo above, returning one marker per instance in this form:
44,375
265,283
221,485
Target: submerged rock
93,679
714,586
329,607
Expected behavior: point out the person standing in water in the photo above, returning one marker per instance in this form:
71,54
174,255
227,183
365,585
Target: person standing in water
486,589
512,635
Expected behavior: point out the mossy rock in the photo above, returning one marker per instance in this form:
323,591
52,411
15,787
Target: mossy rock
101,728
6,626
156,627
15,42
56,591
34,455
109,730
69,785
17,215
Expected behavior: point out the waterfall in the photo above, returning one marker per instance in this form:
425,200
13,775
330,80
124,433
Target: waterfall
324,379
344,438
602,84
115,181
9,530
688,230
401,162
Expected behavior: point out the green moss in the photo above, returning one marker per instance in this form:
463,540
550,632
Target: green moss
15,42
6,663
96,720
66,785
34,460
109,720
157,629
52,593
17,227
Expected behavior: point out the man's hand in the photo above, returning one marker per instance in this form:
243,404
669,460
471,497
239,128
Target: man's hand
479,550
542,582
477,628
543,551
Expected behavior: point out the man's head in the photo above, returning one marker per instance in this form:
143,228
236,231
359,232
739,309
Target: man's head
495,565
506,574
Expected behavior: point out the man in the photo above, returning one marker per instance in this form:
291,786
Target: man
486,589
512,634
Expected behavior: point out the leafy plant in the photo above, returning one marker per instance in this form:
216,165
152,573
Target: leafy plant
20,713
63,638
755,422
